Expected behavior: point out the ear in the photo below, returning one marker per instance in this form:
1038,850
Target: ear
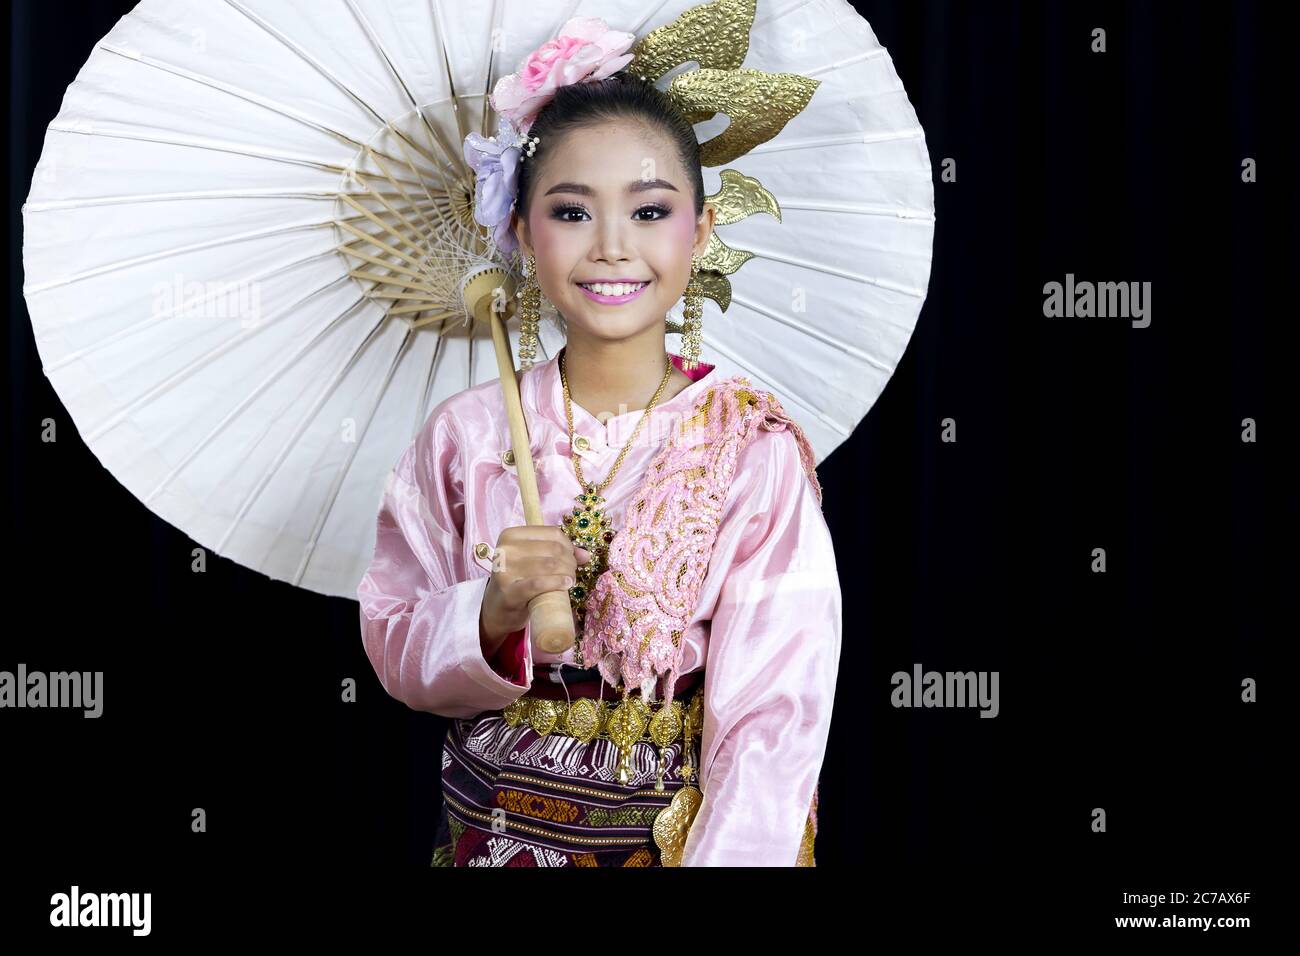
520,226
704,229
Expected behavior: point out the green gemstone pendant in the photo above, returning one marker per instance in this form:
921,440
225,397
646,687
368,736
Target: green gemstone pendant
587,529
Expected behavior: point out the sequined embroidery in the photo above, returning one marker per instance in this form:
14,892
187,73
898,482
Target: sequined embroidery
633,630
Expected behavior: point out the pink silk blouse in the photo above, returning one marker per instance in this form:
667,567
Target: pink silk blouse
766,631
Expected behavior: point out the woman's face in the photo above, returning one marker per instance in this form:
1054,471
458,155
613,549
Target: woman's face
613,203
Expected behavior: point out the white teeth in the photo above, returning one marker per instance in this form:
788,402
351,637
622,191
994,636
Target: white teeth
612,288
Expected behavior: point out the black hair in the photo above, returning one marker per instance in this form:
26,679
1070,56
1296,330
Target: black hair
620,96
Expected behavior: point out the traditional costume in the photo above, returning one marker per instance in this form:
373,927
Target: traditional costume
687,724
758,648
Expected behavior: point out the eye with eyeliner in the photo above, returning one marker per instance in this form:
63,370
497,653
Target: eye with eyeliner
560,210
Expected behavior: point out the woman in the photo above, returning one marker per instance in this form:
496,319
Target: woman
610,191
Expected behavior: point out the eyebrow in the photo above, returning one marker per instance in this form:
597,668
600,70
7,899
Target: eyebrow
636,186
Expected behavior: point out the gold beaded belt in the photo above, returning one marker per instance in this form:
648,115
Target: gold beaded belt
624,723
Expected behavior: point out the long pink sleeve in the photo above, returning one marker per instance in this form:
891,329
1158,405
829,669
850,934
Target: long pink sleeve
421,596
773,657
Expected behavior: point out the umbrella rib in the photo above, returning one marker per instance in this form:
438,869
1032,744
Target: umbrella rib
369,214
379,280
422,406
269,380
429,196
446,193
339,84
230,416
241,150
441,40
389,278
198,362
423,307
373,294
454,98
907,214
813,332
237,92
392,250
432,292
378,213
428,320
341,473
636,30
174,250
847,61
130,330
129,198
319,68
450,223
386,227
435,140
781,389
842,273
493,33
817,142
178,250
451,156
778,14
366,257
435,136
327,388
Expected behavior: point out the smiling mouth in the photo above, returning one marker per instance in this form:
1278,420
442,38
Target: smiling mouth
612,293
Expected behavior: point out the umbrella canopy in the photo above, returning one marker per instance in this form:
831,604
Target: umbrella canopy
245,235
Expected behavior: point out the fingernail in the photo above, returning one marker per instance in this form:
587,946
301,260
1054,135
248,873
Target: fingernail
568,581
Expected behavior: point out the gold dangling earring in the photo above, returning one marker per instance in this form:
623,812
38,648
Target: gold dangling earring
693,316
530,303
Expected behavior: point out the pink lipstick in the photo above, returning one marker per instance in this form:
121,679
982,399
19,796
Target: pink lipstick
612,299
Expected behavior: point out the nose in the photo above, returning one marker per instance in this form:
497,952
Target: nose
610,244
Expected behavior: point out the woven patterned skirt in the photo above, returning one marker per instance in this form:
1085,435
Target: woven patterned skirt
512,797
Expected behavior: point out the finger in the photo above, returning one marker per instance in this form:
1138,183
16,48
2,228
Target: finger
544,584
550,533
525,564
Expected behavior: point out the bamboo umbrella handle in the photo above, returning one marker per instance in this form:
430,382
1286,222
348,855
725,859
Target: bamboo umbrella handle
550,615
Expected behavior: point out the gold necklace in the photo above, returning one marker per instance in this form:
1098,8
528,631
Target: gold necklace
586,526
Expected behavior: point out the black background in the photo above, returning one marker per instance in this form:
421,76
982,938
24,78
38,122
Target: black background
1119,690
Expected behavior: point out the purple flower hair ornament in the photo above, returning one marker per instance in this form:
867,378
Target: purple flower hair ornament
495,161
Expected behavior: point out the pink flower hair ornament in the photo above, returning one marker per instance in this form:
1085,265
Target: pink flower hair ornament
586,50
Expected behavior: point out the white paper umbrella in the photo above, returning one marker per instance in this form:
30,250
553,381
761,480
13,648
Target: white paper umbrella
222,337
